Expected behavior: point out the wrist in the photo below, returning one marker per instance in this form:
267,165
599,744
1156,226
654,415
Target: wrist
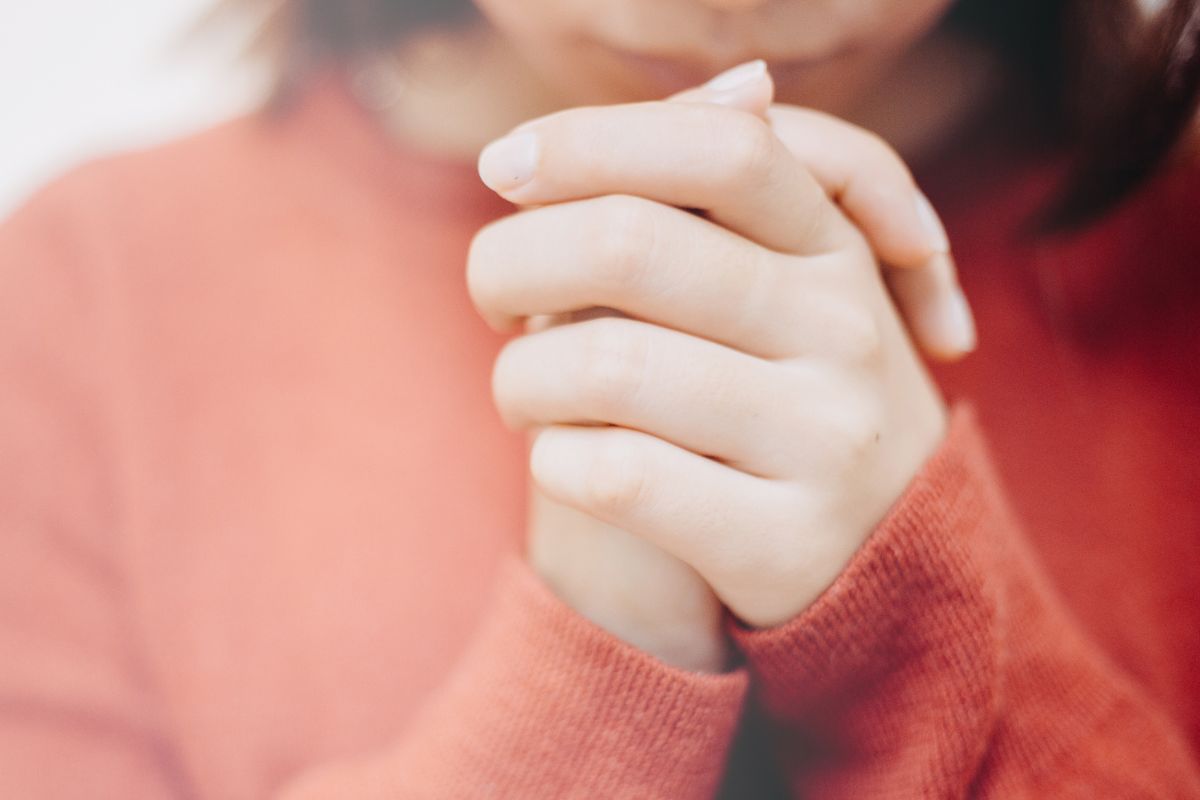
627,587
688,636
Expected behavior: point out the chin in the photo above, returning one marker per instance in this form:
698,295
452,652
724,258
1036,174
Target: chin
584,71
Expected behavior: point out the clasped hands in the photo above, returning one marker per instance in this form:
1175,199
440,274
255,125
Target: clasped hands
714,366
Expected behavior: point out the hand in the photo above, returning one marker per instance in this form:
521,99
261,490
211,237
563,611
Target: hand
802,411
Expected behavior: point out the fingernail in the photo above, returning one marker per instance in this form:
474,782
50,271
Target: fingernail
739,76
960,322
509,162
943,314
938,240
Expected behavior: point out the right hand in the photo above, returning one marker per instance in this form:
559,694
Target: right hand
630,587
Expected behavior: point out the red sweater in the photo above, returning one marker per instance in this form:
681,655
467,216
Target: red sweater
261,522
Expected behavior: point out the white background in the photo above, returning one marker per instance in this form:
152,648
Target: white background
84,77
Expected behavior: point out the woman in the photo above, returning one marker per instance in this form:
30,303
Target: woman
265,535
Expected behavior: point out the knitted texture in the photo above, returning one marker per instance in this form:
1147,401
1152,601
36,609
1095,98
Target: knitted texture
260,524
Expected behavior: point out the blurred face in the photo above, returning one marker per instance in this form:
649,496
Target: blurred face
822,53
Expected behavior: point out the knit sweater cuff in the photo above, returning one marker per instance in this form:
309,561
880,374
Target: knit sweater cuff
919,574
547,704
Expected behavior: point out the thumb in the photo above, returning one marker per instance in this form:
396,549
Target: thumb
747,86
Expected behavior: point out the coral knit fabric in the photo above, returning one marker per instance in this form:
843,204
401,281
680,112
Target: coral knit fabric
260,523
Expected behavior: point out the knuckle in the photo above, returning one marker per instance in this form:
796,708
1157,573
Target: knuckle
749,149
878,157
613,367
616,476
839,329
839,422
881,151
622,242
861,341
757,288
856,435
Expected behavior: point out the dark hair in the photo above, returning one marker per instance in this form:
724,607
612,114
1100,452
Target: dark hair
1115,89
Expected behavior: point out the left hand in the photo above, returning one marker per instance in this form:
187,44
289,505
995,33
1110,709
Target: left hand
761,405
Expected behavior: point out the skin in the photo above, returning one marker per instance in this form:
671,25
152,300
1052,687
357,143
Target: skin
711,290
849,42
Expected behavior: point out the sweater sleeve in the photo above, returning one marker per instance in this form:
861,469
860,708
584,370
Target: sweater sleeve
942,663
545,703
